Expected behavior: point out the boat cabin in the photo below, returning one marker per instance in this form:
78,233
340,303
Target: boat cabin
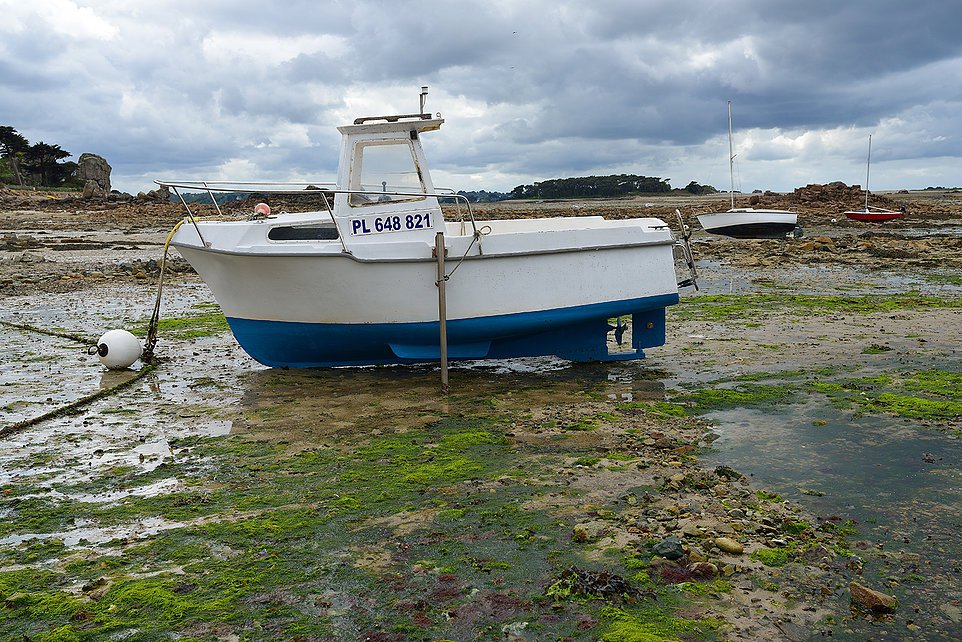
383,182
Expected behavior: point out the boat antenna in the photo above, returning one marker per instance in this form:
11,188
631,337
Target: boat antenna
868,168
424,95
731,157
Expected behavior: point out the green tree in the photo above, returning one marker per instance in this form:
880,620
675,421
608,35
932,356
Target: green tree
43,159
695,188
12,147
593,186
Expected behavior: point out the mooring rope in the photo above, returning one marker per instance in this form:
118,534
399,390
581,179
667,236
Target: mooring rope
151,342
53,333
149,360
73,406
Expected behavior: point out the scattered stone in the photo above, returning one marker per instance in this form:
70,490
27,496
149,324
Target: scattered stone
28,257
691,530
589,531
818,553
953,612
703,570
872,600
729,545
514,632
696,556
670,548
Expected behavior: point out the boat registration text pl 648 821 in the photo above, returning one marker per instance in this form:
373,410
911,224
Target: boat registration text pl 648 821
390,223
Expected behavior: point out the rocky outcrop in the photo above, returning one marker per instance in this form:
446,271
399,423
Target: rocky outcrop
92,189
94,171
837,197
837,191
159,195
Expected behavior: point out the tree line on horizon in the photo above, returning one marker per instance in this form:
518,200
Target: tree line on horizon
610,186
38,164
614,185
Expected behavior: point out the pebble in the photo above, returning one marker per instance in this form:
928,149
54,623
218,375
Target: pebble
670,548
588,532
871,599
705,570
729,545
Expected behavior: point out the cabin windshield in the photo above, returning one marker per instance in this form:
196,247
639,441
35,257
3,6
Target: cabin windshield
381,168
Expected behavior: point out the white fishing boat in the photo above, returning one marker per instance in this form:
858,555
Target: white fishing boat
872,214
746,222
357,281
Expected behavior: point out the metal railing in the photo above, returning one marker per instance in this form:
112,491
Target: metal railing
301,189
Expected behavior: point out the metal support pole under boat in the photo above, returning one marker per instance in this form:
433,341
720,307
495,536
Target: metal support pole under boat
442,309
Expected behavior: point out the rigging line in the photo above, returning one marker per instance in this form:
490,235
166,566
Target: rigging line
474,239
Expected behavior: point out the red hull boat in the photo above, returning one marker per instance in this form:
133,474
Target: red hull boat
874,215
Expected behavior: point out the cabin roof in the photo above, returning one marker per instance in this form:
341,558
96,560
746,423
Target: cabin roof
390,124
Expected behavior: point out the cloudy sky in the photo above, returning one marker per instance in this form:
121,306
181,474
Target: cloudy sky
530,90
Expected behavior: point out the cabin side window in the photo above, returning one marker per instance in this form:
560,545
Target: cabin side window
381,170
303,233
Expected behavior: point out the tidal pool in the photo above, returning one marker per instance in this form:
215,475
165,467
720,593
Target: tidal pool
898,484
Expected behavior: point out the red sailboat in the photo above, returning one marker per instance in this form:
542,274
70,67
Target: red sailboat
873,214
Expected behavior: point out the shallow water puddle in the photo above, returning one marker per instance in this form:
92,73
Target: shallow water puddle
899,483
87,535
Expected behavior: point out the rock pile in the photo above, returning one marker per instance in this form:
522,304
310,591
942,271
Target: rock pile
837,197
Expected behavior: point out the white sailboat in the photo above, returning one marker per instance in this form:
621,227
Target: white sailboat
872,213
746,222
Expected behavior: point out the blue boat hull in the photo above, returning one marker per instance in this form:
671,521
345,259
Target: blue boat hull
578,333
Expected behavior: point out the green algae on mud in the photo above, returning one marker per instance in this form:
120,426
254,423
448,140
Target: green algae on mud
744,395
745,308
929,395
327,541
207,321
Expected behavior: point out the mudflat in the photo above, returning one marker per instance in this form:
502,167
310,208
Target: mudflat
782,468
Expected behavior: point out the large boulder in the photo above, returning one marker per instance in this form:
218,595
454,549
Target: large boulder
92,167
92,189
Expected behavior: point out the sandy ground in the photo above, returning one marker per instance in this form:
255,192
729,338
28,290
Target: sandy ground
56,252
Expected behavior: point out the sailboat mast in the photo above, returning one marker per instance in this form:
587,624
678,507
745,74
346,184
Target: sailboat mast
731,157
868,168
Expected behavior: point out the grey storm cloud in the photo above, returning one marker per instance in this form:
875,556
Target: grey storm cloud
530,90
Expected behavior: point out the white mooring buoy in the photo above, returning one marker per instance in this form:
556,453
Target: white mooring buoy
118,349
